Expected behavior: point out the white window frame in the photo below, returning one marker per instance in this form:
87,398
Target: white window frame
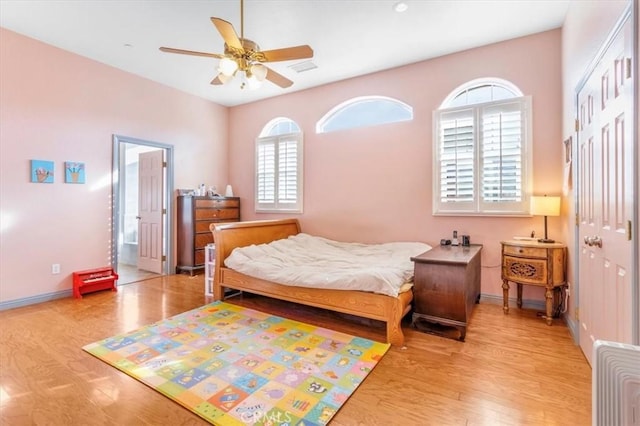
477,206
346,106
478,82
280,204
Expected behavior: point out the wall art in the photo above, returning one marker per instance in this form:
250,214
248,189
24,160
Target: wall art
74,172
41,171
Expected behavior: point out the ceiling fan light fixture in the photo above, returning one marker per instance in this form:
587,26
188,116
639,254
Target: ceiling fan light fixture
225,78
400,7
259,71
227,66
253,83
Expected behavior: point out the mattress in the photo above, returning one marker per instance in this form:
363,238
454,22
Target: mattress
311,261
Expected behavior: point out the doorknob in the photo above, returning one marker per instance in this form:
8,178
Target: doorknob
593,241
138,217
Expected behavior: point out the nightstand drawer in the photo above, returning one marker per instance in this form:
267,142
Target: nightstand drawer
529,271
525,251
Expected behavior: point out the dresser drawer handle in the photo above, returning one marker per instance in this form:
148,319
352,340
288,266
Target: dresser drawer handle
520,251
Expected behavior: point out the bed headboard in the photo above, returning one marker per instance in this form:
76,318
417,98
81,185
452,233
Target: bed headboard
228,236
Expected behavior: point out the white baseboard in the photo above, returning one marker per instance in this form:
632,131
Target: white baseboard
513,302
32,300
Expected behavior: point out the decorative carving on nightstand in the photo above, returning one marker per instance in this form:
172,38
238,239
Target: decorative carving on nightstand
525,270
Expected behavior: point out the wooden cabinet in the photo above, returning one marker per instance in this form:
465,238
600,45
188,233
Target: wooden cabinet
533,263
446,286
194,215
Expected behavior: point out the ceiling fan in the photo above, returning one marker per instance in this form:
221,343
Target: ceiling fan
244,56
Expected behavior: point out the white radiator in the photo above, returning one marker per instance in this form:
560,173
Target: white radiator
616,384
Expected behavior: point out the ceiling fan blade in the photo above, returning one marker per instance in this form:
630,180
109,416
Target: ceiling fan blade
287,53
216,81
228,33
278,79
191,52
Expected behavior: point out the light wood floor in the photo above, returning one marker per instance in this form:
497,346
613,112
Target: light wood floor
128,274
512,370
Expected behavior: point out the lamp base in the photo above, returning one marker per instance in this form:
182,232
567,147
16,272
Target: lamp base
546,240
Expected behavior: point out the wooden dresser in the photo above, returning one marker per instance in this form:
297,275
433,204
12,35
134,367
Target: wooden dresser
533,263
447,286
194,215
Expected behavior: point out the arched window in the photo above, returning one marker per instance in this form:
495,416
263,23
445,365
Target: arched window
482,155
280,126
479,91
279,167
364,111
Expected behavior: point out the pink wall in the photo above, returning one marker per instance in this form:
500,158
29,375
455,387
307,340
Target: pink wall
586,28
58,106
363,184
374,184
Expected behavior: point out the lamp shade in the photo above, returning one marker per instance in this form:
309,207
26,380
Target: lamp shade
253,82
227,66
545,206
259,71
225,78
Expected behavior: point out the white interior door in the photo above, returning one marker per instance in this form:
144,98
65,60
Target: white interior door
150,210
605,198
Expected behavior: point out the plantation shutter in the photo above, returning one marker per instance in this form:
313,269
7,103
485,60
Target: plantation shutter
266,172
482,161
288,172
279,173
504,185
502,151
457,157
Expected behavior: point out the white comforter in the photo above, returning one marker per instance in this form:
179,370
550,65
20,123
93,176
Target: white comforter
308,261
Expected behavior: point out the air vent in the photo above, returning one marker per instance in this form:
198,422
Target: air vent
303,66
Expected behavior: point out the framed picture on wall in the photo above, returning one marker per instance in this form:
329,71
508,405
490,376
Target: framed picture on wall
41,171
73,172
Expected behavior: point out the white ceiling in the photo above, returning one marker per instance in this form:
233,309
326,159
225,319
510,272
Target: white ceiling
349,37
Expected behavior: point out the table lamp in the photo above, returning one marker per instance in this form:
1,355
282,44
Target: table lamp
545,206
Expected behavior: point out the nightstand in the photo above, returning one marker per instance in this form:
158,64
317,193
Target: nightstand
446,286
533,263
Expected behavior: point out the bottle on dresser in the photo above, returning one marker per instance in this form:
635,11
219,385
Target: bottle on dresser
454,240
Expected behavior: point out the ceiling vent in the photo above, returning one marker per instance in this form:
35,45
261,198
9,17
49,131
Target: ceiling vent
303,66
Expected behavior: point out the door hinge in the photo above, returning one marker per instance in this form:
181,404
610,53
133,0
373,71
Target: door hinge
628,67
164,258
164,211
164,164
629,230
577,315
577,219
577,124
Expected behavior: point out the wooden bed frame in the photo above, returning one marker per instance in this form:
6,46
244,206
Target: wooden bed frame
228,236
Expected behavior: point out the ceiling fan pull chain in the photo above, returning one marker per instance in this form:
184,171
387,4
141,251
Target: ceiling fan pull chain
241,19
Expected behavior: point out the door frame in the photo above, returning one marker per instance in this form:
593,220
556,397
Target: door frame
631,13
118,141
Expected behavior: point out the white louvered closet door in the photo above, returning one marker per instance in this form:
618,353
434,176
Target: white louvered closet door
605,190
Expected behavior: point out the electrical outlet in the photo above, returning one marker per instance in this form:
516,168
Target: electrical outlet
55,268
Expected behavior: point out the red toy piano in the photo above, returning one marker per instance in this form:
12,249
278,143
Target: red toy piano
91,280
